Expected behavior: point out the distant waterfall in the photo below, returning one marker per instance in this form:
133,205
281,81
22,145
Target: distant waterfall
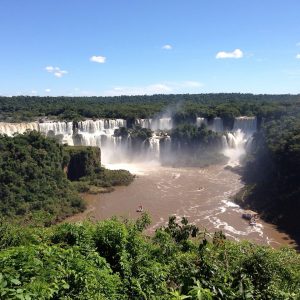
245,124
11,128
100,133
200,121
156,124
217,125
237,142
144,123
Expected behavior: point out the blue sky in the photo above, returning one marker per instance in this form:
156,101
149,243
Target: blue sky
114,47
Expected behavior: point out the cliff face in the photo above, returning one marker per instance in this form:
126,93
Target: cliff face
82,161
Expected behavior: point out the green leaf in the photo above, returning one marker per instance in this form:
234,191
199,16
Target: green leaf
15,281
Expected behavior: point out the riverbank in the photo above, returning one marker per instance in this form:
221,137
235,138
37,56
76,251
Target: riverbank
250,197
202,195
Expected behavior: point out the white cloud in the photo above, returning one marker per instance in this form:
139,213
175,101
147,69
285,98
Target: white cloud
50,69
47,90
60,73
98,59
298,56
56,71
237,53
33,92
152,89
298,44
167,47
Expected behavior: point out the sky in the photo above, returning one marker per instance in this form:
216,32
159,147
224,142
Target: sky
119,47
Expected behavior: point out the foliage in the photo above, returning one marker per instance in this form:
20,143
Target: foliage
84,168
183,107
193,146
115,260
273,171
33,184
82,161
34,187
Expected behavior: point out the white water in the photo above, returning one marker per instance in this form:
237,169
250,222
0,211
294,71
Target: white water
156,124
100,133
217,125
236,143
11,128
200,121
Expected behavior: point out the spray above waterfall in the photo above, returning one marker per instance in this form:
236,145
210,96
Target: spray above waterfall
153,144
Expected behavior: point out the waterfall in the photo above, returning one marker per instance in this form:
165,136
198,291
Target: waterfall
217,125
154,149
100,133
200,121
11,128
155,124
144,123
246,124
237,143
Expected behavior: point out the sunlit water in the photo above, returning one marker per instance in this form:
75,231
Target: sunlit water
201,195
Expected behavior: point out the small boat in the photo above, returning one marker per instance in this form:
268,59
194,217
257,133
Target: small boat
140,208
249,215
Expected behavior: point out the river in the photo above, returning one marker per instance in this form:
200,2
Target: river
201,195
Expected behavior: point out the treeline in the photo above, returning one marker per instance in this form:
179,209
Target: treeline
115,260
40,179
272,174
25,108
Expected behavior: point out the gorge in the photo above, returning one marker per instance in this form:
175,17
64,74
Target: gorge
201,194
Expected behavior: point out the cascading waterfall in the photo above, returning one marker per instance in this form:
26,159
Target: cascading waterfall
246,124
100,133
237,142
144,123
156,124
11,128
217,125
200,121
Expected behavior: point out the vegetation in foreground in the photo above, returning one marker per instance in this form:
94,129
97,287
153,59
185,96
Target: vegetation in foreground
115,260
34,187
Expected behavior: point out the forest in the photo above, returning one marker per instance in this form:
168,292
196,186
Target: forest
181,106
39,183
272,173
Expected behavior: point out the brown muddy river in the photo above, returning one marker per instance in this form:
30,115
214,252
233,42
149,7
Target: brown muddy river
201,195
